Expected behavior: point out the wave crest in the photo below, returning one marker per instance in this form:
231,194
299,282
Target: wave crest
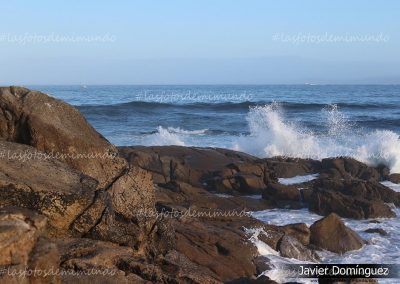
270,135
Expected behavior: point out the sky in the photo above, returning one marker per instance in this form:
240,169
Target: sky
199,42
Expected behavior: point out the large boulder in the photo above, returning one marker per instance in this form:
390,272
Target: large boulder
331,233
57,128
218,245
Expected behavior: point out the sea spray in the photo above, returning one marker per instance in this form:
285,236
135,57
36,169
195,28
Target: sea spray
163,137
270,135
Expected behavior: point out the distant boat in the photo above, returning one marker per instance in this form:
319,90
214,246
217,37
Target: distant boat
84,87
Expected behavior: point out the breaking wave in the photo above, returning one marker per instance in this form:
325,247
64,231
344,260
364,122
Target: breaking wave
270,135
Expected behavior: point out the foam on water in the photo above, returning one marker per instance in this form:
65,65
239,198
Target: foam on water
297,179
270,135
163,137
394,186
379,249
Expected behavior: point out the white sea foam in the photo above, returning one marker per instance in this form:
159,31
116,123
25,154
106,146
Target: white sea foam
270,135
162,138
394,186
171,136
297,179
179,130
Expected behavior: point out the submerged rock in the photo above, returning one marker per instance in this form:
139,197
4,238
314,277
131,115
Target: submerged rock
379,231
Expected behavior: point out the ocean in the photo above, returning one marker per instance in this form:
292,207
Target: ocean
308,121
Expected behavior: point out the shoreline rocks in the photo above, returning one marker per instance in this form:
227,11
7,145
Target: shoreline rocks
127,211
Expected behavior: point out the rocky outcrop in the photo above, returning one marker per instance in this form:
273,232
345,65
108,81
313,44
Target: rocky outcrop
348,169
330,233
158,214
215,169
56,128
356,199
283,196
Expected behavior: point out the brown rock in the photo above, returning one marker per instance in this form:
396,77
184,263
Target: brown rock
213,169
221,245
23,249
45,258
291,167
324,202
283,195
116,264
331,234
55,127
47,186
292,248
300,231
395,178
348,168
19,230
369,190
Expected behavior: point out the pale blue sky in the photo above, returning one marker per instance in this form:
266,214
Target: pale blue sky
199,42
